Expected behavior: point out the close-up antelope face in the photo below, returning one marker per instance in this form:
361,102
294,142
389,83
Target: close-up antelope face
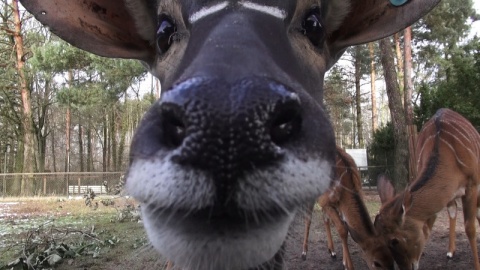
239,140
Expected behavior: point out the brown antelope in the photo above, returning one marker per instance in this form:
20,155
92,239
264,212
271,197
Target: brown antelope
448,150
343,205
239,140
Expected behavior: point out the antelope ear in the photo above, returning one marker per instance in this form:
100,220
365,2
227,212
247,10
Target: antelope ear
401,207
407,200
106,28
386,191
369,20
398,212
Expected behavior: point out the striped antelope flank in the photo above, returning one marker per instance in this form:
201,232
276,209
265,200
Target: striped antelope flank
451,210
239,140
343,205
448,150
452,218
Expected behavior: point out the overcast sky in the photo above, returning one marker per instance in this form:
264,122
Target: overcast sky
476,25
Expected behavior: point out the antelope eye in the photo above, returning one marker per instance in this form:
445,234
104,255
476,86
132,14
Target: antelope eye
394,242
313,28
166,31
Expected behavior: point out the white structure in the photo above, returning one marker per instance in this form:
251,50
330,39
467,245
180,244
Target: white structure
360,158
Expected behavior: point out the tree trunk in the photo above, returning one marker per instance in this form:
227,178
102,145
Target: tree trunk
27,125
42,127
90,167
400,68
105,142
17,167
68,117
358,97
80,144
113,137
400,171
408,83
372,87
122,129
67,139
54,160
41,151
121,148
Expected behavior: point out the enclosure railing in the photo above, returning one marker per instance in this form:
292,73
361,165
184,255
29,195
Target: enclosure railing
57,184
78,183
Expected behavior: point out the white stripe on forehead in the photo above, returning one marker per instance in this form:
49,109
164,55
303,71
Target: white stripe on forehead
207,11
269,10
273,11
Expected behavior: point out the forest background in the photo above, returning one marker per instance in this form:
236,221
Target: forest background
65,110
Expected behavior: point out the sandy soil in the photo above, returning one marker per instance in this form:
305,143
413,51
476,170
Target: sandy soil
434,256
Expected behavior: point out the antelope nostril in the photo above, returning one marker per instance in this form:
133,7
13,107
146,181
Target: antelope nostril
285,125
174,127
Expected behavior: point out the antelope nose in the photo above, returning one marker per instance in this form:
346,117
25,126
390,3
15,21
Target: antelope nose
229,128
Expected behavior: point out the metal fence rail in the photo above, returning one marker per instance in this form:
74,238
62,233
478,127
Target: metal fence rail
57,184
78,183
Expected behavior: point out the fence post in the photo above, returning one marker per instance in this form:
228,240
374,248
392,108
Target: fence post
79,184
7,150
68,191
45,185
4,186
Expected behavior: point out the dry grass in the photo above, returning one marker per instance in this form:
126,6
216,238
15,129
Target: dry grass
18,216
373,204
69,218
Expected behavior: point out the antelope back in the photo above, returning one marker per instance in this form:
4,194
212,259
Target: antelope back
447,141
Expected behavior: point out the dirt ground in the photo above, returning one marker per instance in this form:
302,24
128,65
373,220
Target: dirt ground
123,256
434,256
318,258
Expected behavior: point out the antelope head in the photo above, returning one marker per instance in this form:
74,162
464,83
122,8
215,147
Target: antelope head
374,249
401,234
239,140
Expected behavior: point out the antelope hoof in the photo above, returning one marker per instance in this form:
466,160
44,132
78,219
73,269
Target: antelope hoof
304,255
333,254
449,255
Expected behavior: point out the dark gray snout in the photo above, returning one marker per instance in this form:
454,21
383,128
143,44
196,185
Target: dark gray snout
225,129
